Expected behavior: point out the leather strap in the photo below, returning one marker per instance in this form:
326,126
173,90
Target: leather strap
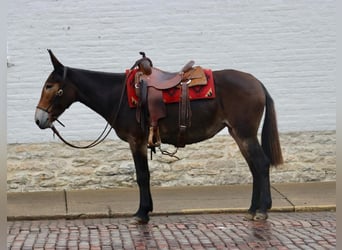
142,107
184,114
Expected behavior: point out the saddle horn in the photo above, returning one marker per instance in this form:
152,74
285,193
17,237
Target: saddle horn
145,64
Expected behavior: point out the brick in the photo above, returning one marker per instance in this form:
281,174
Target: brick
201,234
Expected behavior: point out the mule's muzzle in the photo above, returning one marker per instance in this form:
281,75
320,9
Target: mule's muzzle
41,118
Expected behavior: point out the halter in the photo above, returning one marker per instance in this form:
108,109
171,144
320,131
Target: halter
101,137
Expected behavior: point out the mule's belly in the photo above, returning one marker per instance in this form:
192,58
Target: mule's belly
206,121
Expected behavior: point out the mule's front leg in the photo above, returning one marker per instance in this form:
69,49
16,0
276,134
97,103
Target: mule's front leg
143,179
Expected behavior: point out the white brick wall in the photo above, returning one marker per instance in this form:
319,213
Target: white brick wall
289,45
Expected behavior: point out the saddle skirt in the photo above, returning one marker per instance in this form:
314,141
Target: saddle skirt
169,84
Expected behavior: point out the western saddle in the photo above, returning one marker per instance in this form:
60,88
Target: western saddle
149,84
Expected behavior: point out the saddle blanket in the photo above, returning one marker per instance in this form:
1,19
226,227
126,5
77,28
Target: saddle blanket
173,95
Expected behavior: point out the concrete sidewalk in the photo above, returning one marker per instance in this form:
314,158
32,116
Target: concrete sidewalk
289,197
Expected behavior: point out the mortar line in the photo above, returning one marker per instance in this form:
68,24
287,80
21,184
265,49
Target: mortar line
293,205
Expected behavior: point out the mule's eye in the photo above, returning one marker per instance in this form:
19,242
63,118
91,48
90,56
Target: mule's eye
48,86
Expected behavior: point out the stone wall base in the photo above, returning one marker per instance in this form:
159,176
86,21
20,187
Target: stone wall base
309,156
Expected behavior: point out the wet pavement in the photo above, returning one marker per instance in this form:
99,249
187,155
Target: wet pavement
294,230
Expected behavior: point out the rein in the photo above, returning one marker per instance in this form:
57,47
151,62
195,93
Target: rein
102,136
93,144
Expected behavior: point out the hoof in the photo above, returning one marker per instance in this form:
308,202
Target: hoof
138,221
249,216
260,217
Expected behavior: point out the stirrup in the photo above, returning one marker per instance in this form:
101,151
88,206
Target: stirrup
153,137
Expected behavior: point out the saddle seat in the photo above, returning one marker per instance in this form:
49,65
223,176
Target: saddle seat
163,80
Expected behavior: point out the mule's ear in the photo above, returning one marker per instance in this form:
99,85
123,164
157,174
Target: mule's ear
56,64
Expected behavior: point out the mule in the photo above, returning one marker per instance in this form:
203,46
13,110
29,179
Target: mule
240,102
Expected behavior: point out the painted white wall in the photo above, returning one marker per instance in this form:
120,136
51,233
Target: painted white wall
289,45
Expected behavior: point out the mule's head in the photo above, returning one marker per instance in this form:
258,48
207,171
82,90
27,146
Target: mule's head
57,95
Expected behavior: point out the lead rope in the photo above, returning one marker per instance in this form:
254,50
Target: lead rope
99,139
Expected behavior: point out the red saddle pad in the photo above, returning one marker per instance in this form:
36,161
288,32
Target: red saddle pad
172,95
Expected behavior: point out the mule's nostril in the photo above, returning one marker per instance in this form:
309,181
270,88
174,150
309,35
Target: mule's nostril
37,122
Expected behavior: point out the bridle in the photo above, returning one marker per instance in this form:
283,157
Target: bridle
102,136
59,93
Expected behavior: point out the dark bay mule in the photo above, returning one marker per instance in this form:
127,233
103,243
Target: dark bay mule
239,105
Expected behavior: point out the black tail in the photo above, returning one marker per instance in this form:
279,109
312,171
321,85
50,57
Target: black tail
269,135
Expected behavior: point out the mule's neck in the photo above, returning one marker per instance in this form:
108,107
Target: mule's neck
100,91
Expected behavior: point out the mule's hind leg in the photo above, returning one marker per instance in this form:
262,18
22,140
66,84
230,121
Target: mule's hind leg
259,166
